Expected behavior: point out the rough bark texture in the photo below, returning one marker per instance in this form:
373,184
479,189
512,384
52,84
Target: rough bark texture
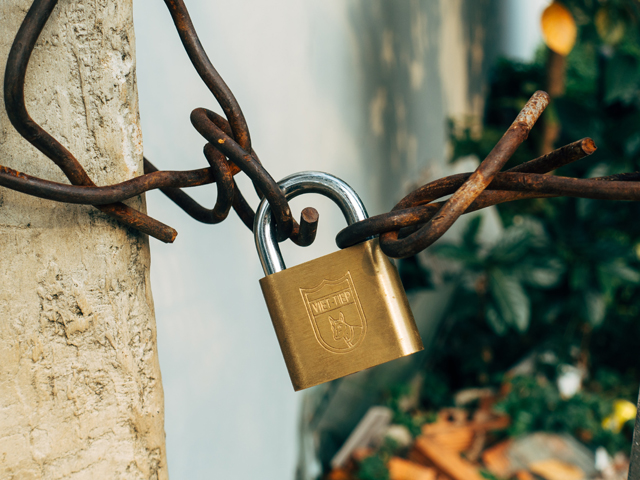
80,389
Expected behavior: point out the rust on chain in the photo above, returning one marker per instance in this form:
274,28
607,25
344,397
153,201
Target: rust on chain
14,78
227,139
422,210
471,188
415,222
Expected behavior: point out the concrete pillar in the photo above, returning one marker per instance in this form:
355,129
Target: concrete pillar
80,388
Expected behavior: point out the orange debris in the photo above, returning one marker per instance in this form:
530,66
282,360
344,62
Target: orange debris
400,469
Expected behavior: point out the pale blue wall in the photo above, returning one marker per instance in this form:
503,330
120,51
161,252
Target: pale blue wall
230,409
522,32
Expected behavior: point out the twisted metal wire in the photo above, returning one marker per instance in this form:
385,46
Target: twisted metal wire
228,138
412,225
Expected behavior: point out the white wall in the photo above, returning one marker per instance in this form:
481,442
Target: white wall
230,409
521,30
358,88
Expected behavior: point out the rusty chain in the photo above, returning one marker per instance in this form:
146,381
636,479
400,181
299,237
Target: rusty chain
413,224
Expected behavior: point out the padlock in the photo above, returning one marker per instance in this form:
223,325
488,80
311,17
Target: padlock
338,314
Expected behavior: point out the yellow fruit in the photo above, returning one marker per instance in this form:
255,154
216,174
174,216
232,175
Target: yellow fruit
559,29
623,411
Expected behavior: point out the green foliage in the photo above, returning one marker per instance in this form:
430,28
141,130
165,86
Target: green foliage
583,252
564,275
400,415
607,22
535,404
435,392
494,280
374,467
488,475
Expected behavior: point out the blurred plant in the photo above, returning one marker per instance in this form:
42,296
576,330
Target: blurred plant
374,467
401,414
534,404
568,261
488,475
492,279
565,271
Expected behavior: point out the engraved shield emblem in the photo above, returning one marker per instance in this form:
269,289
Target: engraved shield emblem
335,313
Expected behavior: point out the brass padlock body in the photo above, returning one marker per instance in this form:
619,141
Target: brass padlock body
339,314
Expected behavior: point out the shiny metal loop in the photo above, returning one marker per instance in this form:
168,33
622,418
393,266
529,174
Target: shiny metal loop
292,186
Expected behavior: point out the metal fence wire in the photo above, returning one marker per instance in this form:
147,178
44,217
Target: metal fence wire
412,225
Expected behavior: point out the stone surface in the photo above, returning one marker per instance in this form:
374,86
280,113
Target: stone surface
80,388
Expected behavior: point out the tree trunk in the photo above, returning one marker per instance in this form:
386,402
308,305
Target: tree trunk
80,389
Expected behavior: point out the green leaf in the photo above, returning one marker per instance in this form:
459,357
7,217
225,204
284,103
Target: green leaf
621,271
595,307
579,276
455,252
488,475
546,275
632,145
495,321
511,300
471,231
511,246
373,468
622,78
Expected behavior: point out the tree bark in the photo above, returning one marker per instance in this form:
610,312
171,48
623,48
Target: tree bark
80,388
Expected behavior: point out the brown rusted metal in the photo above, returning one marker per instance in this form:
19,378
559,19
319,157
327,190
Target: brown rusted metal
224,182
229,139
204,122
308,227
421,210
414,223
15,72
471,189
208,73
558,158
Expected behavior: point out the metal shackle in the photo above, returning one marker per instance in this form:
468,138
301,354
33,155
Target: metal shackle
292,186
